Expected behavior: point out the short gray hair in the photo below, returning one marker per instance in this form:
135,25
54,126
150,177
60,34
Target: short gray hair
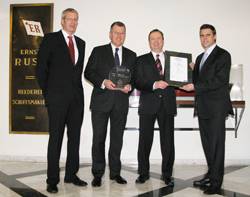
64,12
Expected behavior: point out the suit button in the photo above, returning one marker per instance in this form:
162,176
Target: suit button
160,96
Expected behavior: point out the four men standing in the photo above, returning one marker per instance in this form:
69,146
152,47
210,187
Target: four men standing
59,73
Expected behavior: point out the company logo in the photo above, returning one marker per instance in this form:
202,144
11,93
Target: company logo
33,28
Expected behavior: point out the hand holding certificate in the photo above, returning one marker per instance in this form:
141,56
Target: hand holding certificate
177,71
160,84
188,87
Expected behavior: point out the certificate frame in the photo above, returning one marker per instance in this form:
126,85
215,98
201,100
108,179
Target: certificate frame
169,65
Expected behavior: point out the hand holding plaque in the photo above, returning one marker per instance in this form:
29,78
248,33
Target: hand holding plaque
120,76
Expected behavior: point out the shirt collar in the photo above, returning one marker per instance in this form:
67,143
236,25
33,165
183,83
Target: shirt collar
114,47
161,54
65,34
210,49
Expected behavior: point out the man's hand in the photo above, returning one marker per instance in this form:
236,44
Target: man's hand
109,84
126,89
188,87
192,65
160,84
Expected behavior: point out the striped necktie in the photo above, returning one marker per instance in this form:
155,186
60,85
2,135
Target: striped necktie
158,65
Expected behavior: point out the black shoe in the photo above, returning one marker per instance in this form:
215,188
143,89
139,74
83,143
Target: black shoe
76,181
51,188
205,182
212,190
169,182
119,179
142,179
96,182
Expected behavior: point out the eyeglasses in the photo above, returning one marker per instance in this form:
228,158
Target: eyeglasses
71,19
118,33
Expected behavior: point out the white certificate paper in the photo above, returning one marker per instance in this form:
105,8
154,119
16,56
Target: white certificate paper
178,69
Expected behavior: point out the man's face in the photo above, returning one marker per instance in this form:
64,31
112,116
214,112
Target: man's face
156,42
70,22
117,35
207,38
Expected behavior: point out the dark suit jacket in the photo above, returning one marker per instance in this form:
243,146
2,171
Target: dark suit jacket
58,78
212,84
100,62
150,100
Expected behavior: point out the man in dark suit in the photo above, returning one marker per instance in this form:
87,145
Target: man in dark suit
59,73
212,105
157,102
109,103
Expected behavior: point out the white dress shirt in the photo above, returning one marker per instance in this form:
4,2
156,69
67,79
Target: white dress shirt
65,35
119,52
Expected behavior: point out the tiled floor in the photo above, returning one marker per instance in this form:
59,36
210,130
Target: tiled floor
28,179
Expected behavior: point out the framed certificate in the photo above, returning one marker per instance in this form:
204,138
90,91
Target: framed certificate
177,70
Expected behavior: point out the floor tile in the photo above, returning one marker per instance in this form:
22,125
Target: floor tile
183,172
190,192
13,167
6,192
108,188
238,181
29,178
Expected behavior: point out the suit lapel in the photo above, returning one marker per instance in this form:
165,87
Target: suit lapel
196,71
62,41
151,61
110,56
80,49
208,60
124,57
199,61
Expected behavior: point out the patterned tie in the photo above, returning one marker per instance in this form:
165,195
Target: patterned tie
158,65
71,49
204,57
117,60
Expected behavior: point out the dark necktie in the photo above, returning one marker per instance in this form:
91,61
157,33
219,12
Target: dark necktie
158,65
71,49
117,60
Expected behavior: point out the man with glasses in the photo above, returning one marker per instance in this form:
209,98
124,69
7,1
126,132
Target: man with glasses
108,102
59,74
